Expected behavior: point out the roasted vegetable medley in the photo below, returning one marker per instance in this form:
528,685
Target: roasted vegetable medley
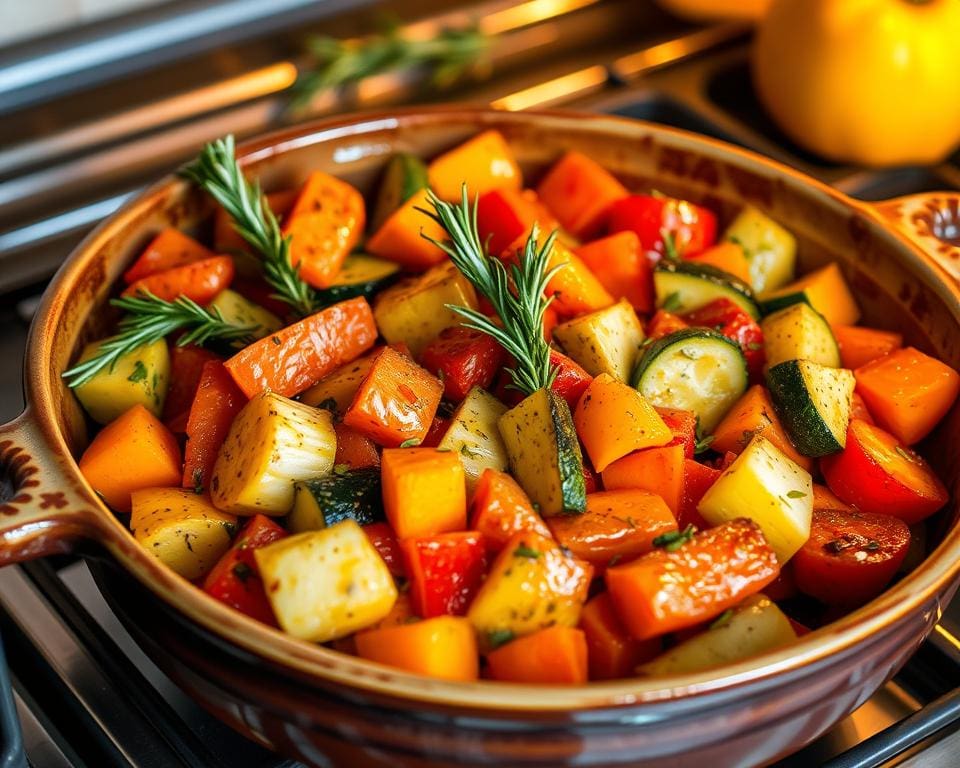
472,428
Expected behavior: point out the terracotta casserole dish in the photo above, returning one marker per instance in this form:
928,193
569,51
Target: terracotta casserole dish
325,708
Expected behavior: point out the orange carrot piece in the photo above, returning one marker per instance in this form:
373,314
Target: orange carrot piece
399,237
424,491
622,268
486,162
728,256
663,323
753,414
298,356
401,613
217,402
614,419
578,191
825,499
199,281
444,648
666,591
225,237
617,525
324,225
908,392
396,401
552,656
132,452
658,470
355,450
859,345
186,367
500,509
171,248
611,652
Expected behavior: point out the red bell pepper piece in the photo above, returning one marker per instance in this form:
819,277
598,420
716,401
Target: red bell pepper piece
876,474
235,579
683,424
570,383
850,556
438,428
199,281
445,571
663,323
694,229
725,316
697,479
355,450
463,358
384,540
501,509
622,268
217,402
503,215
186,367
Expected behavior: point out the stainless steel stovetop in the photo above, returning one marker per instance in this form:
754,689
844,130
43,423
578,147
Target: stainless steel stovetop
73,146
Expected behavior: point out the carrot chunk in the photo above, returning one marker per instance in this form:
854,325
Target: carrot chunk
859,345
666,591
908,392
403,236
186,368
578,191
199,281
622,268
618,525
217,402
395,402
171,248
728,256
444,647
294,358
614,419
424,491
486,161
324,225
132,452
355,450
552,656
657,470
501,509
611,652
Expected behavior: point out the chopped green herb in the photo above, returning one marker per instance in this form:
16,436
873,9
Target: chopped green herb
669,246
673,540
139,372
795,494
341,469
198,481
410,442
499,637
904,453
465,450
703,444
242,571
754,346
722,619
524,551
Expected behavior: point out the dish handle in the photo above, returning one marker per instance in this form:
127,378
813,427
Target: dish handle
931,220
42,510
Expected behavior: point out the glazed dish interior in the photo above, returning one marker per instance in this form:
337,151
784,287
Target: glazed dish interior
896,290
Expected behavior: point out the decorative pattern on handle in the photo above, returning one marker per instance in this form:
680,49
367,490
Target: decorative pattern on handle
932,221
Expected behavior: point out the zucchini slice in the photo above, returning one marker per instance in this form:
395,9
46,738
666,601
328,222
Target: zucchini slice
813,402
771,250
544,453
799,332
404,176
684,286
694,369
360,275
473,434
326,501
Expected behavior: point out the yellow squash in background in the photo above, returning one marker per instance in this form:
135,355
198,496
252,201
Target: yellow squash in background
866,81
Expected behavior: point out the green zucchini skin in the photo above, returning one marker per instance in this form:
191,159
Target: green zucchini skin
352,495
665,389
360,275
801,410
573,485
404,176
769,306
698,284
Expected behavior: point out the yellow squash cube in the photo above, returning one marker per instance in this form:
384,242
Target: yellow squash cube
140,377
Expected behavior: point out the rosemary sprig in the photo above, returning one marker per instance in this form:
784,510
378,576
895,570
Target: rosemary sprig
150,319
520,309
448,55
216,171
